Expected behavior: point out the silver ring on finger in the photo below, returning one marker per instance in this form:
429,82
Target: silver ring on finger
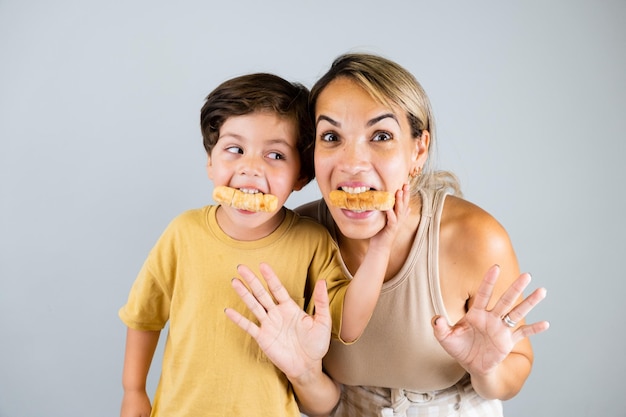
507,320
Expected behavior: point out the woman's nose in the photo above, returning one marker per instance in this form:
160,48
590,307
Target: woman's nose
354,158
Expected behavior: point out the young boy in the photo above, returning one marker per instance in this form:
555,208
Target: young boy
259,141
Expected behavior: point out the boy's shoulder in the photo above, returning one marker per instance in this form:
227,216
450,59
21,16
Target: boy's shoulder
190,217
192,213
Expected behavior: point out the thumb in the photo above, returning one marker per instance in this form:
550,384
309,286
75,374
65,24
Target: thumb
320,298
441,327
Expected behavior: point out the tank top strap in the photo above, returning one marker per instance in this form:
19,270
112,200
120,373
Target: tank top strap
433,252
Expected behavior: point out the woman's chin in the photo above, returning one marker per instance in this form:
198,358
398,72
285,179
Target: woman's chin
359,225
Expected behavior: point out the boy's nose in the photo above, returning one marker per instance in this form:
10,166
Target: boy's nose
250,166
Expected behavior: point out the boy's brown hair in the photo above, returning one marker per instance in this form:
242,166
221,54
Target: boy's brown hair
261,92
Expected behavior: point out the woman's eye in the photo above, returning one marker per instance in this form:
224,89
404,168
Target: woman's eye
328,137
275,155
382,136
234,149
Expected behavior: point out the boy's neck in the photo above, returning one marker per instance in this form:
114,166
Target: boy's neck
242,231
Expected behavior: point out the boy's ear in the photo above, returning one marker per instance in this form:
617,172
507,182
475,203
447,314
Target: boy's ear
209,167
300,183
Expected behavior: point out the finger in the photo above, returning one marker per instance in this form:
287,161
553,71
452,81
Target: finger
522,309
530,330
511,296
483,295
392,213
441,327
392,217
276,287
403,198
406,199
406,190
250,300
257,288
320,298
401,208
249,327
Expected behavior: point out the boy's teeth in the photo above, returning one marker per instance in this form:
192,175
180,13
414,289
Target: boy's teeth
354,190
249,190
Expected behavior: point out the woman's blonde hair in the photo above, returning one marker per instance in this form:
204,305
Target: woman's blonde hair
390,84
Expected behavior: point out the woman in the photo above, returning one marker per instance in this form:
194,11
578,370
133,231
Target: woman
444,336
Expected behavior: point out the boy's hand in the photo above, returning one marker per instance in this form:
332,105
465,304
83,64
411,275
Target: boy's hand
400,211
135,404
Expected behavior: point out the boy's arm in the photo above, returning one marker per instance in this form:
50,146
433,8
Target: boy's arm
362,294
140,347
364,288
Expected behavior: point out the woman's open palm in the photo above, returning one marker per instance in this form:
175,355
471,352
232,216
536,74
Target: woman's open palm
481,340
293,340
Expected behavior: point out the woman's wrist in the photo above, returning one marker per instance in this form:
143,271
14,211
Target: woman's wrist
505,380
317,393
310,376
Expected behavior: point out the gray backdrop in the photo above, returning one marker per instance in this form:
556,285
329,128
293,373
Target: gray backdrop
100,149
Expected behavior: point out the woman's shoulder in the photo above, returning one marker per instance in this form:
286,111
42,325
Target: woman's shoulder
468,219
471,235
310,209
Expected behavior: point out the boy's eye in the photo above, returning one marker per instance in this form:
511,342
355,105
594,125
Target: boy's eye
329,137
234,149
381,136
275,155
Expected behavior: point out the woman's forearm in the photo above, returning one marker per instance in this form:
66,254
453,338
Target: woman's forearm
507,379
317,393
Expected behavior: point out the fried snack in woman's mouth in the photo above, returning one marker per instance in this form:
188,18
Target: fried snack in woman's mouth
365,201
245,201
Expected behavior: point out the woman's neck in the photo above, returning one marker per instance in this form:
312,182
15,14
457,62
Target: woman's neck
352,251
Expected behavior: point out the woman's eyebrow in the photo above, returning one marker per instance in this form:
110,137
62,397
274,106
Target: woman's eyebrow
328,119
368,124
375,120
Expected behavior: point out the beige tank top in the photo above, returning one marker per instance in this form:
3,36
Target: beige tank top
398,348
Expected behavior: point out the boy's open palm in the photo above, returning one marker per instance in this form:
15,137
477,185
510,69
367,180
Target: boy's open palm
293,340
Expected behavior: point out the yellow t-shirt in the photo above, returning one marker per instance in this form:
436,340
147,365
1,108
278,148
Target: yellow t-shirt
210,366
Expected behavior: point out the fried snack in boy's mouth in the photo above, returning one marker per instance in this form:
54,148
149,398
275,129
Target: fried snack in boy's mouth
245,201
365,201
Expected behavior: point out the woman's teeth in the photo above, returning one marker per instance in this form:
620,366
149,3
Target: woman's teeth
354,190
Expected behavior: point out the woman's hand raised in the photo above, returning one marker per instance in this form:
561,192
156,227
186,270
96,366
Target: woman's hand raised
293,340
483,338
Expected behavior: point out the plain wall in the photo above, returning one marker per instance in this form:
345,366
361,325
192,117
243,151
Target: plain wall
100,149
